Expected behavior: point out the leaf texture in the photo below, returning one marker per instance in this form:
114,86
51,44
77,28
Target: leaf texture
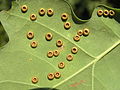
94,67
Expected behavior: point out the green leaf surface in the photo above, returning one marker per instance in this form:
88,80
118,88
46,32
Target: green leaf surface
95,66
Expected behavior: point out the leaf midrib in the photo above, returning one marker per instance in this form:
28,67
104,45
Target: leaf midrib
18,82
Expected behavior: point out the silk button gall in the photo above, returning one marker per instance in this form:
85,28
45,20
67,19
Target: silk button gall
34,44
30,35
50,76
34,80
74,50
86,32
64,16
67,25
112,13
56,53
61,65
76,38
42,11
33,17
24,8
57,75
80,32
106,13
50,12
59,43
100,12
50,54
48,36
69,57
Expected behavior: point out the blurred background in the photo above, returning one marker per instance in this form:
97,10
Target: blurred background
4,5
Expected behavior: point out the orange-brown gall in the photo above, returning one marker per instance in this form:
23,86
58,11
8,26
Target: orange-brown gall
100,12
112,13
30,35
33,17
50,54
74,50
42,11
24,8
34,80
80,32
67,25
76,38
59,43
86,32
50,76
34,44
106,13
50,12
61,65
64,16
48,36
56,53
57,75
69,57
